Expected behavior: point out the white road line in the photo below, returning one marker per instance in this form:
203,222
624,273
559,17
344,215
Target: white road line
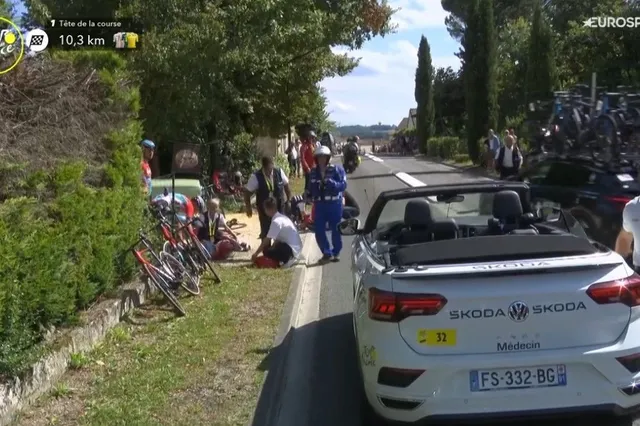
410,180
298,389
374,158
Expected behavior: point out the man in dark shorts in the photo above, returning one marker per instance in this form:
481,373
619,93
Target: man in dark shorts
283,244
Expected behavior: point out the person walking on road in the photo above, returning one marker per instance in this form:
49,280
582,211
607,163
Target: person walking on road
327,183
508,158
269,181
148,149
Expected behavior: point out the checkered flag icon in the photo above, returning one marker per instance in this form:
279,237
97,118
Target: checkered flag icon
37,40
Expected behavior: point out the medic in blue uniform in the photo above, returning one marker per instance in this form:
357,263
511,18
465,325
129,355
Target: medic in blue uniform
327,183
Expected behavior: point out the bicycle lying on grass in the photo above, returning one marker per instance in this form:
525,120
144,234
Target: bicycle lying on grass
180,264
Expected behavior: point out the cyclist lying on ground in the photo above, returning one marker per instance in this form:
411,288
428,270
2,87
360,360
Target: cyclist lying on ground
183,207
223,236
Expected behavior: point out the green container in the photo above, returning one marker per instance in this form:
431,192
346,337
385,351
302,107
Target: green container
189,187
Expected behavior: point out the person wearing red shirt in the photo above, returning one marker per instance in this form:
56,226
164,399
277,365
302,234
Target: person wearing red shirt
307,158
148,149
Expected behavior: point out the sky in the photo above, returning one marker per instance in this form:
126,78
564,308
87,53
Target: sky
381,89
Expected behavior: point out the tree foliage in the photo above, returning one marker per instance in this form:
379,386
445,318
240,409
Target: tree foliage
540,77
541,45
425,113
210,70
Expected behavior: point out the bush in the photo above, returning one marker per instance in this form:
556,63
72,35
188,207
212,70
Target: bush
63,240
445,147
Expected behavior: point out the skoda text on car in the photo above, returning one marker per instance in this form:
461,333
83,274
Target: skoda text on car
467,304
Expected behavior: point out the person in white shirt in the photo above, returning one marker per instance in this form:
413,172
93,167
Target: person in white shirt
293,155
630,231
282,243
508,158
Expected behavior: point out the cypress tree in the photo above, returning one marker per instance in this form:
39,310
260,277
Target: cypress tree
469,77
479,73
425,114
540,79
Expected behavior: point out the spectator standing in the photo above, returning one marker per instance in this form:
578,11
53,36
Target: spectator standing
307,159
148,149
293,155
493,145
268,182
508,158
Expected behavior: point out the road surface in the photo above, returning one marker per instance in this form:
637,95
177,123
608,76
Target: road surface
336,393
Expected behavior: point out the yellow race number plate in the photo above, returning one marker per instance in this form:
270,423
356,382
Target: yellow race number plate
439,337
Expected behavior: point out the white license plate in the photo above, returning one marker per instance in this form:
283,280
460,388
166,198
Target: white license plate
518,378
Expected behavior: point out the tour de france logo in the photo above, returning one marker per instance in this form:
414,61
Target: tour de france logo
11,46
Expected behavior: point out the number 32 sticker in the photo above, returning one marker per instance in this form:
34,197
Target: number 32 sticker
440,337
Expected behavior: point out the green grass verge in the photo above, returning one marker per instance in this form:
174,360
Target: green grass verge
156,369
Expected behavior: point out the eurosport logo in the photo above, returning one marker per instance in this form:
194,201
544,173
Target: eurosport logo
11,45
612,22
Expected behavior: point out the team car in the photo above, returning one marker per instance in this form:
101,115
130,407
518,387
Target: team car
468,304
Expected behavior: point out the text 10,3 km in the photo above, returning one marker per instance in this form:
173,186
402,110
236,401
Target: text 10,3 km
67,41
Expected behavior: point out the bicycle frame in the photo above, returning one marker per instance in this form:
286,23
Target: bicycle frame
139,255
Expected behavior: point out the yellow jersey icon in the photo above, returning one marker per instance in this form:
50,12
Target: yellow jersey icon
132,39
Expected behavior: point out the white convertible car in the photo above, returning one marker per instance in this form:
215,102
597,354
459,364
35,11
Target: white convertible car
467,305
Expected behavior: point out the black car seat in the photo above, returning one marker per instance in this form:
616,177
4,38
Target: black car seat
507,212
417,222
445,229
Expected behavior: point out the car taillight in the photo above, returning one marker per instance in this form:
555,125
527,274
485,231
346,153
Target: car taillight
625,291
394,307
619,201
630,362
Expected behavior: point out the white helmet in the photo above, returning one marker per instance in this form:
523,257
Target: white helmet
322,150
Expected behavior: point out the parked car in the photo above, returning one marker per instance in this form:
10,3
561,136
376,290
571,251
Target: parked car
595,193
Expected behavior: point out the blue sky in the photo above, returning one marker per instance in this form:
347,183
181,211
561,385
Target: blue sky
381,88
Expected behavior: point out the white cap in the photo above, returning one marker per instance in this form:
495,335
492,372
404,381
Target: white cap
322,150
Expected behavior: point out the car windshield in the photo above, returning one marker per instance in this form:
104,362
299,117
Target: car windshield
469,208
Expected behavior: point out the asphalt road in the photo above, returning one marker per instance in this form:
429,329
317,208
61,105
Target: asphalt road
336,391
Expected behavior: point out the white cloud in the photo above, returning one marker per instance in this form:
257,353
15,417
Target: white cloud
387,94
416,14
342,106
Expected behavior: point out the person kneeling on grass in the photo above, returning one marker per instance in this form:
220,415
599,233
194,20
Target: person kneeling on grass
282,245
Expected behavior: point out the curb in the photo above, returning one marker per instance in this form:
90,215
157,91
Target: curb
19,392
267,412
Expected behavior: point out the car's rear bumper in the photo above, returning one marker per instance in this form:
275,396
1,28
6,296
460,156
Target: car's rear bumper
595,381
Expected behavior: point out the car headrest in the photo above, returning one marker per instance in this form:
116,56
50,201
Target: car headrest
507,205
444,225
417,213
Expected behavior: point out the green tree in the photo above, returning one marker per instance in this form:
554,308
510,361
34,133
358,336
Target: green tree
480,74
512,47
425,114
448,100
540,77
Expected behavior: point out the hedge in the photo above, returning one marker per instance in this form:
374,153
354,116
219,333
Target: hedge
60,253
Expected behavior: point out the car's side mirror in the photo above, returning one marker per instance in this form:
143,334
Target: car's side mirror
349,226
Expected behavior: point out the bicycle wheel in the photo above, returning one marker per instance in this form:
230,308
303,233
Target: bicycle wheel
203,257
186,280
164,288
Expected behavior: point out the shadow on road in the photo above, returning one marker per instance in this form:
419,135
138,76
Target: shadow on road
336,394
